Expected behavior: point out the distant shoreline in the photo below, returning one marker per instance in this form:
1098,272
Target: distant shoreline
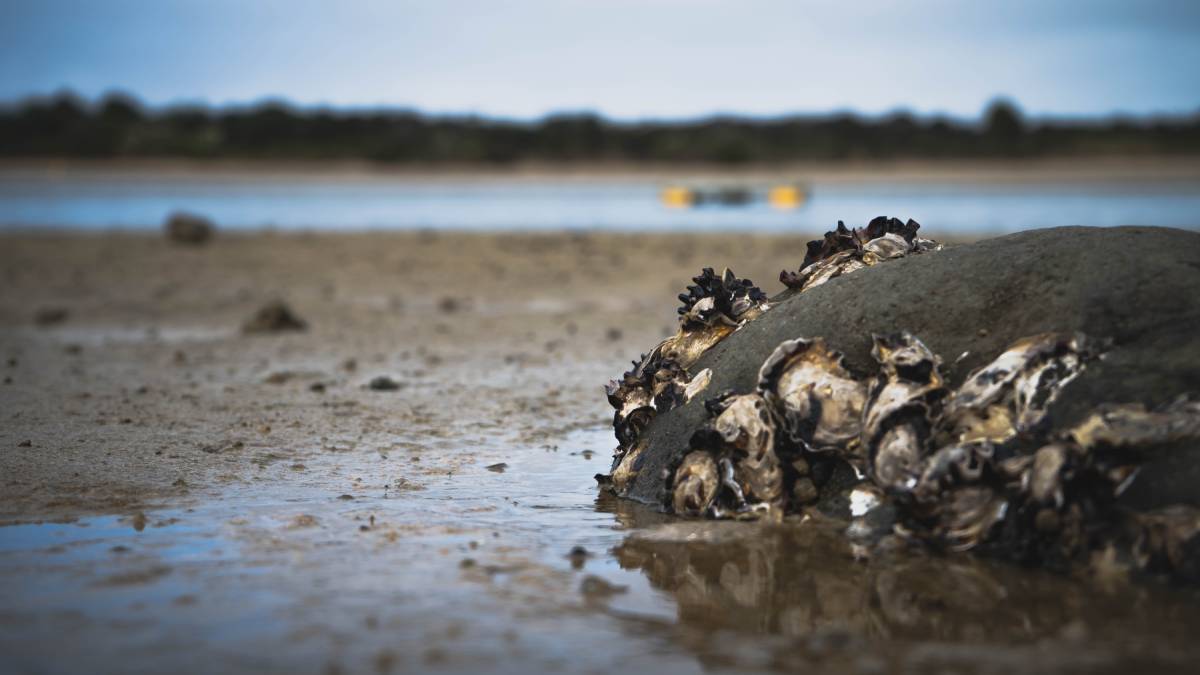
1063,170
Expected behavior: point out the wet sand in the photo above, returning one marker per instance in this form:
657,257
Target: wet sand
179,496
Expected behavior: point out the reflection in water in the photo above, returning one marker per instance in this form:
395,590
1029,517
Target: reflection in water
797,589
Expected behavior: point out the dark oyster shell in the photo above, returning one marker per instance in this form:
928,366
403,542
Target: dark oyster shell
720,298
843,250
714,306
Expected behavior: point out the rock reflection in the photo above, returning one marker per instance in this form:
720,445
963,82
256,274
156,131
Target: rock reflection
804,581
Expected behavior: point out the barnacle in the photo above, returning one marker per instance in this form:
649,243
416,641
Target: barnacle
843,250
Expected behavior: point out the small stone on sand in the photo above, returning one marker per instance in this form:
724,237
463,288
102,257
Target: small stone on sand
188,228
274,317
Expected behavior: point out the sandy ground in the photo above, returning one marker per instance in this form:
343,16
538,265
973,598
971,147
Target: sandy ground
180,496
147,384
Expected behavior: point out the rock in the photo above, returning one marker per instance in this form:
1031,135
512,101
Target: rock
188,228
274,317
1134,285
49,316
383,383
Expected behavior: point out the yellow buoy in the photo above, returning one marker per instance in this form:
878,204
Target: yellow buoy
785,196
678,197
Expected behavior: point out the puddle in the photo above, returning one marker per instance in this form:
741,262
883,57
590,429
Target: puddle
471,569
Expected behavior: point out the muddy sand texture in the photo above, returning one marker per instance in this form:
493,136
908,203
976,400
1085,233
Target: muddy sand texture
146,391
1135,285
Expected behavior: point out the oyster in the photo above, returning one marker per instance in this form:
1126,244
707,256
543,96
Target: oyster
1010,395
741,440
1168,541
714,306
1131,425
843,250
696,484
897,417
819,402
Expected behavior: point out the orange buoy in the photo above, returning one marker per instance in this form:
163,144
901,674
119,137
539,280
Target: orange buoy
678,197
786,196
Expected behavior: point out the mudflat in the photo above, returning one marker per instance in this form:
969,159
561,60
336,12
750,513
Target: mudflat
406,482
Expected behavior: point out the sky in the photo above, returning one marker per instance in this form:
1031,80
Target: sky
625,59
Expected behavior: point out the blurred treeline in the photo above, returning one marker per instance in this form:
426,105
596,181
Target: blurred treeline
119,127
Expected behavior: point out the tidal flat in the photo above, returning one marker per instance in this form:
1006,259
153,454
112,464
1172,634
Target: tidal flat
178,494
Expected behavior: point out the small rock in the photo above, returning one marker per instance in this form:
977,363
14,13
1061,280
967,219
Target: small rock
274,317
188,228
613,334
303,520
595,587
499,467
48,316
449,305
280,377
345,498
383,383
578,556
25,444
318,387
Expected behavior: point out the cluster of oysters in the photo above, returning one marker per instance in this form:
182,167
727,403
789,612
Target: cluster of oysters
978,466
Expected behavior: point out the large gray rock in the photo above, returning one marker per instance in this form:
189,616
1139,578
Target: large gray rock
1138,286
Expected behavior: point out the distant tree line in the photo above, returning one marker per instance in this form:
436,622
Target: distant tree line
117,126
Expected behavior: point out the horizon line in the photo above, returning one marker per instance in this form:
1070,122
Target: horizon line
381,107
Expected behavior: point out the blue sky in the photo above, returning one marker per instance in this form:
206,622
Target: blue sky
623,58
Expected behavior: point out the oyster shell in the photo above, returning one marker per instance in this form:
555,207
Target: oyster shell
696,484
1132,425
897,417
1010,395
740,437
714,306
819,402
842,250
1168,541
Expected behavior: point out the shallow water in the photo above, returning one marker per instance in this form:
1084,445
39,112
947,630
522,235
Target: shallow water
93,201
474,571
